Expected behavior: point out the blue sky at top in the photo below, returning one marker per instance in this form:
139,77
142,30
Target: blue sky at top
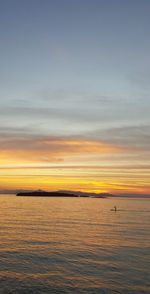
74,67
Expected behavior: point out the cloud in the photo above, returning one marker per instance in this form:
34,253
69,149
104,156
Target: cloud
14,147
96,167
76,107
134,136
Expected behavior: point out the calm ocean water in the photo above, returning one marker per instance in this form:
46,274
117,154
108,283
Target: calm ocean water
53,245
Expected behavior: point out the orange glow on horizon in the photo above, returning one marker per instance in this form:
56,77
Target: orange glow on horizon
58,179
53,164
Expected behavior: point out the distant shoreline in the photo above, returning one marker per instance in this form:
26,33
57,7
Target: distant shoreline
40,193
73,194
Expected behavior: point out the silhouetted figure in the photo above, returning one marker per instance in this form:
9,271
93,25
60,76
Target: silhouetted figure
115,208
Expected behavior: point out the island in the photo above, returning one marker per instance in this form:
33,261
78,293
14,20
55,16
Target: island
40,193
61,193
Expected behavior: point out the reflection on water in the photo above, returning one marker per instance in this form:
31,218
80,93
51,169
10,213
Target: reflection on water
53,245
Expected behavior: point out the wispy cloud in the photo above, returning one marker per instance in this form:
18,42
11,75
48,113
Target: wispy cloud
46,148
131,136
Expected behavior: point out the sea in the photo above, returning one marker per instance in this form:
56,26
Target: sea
74,245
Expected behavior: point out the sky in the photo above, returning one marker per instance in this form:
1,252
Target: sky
75,95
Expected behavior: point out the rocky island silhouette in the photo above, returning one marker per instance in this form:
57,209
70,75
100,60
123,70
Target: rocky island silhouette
41,193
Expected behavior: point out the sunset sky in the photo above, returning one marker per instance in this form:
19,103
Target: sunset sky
75,95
